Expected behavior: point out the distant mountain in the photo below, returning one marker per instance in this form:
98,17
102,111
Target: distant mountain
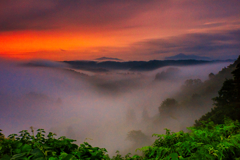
182,56
108,59
105,66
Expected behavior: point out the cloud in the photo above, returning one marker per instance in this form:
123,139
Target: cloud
25,15
52,14
40,15
220,44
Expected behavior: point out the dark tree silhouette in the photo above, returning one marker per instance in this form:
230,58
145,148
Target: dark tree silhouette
168,107
226,95
192,82
211,75
236,76
227,103
137,137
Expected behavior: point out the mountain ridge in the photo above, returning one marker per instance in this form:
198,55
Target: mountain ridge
135,65
182,56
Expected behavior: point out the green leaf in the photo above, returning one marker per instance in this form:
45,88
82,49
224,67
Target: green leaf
6,157
40,158
18,150
143,148
53,158
37,153
26,148
18,155
174,156
19,145
68,157
47,147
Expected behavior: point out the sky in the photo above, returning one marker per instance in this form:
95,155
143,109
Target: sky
128,29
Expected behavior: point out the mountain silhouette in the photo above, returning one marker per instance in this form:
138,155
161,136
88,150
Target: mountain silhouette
108,59
182,56
105,66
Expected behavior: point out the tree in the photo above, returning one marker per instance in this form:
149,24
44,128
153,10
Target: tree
188,82
195,102
169,74
195,96
211,75
236,76
227,103
137,137
167,107
1,135
226,95
193,82
197,82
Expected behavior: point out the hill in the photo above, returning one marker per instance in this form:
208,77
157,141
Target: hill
134,65
227,103
194,101
182,56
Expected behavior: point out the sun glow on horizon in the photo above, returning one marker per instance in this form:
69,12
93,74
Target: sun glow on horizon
20,44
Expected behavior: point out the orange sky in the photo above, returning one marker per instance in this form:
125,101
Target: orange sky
14,44
88,30
53,45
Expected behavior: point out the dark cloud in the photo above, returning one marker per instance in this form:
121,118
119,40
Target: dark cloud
220,44
50,14
45,14
212,9
16,15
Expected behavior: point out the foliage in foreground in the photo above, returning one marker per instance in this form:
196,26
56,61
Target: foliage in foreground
209,141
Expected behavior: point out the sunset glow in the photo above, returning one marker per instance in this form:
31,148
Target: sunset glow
82,29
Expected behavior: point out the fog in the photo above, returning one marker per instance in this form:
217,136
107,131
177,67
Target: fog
101,107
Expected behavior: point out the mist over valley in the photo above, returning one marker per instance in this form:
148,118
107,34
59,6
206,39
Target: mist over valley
101,106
